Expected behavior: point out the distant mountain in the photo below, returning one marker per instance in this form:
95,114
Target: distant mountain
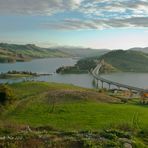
84,52
140,49
15,52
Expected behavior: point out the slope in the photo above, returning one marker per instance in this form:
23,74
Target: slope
56,115
15,52
127,61
116,60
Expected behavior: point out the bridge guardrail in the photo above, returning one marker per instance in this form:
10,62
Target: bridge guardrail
96,74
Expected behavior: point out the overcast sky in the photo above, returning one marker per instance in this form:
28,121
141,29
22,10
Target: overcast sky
109,24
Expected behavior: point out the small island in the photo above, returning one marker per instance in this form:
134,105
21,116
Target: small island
17,74
20,74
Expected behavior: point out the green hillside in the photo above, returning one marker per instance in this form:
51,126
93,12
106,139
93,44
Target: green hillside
117,60
127,61
51,114
15,52
140,49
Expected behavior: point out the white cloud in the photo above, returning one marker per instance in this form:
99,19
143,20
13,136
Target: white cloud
114,8
98,8
98,14
77,24
36,7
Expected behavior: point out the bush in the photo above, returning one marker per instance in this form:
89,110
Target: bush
6,94
124,100
108,135
119,133
111,144
143,133
102,90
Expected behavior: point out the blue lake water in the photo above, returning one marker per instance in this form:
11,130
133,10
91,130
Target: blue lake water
48,66
85,80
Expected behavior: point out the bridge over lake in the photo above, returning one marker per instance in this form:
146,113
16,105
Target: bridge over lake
97,76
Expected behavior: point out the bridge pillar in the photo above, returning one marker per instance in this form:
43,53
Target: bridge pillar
97,83
102,84
109,85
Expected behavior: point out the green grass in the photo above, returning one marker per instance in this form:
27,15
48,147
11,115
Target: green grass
72,111
78,116
81,118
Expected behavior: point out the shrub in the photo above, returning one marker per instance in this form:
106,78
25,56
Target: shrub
111,144
102,90
143,133
6,94
119,133
124,100
108,135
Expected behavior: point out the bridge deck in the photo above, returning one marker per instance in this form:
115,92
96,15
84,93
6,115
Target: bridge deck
97,76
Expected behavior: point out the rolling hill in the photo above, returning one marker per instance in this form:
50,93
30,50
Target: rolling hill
116,60
127,61
15,52
84,52
145,49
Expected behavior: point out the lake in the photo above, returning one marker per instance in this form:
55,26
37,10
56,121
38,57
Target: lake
85,80
48,66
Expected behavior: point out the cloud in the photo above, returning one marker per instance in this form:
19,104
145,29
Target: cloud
91,8
97,14
77,24
71,24
37,7
114,8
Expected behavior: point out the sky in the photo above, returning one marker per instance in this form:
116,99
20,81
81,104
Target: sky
112,24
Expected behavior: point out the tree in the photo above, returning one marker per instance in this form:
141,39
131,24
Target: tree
6,94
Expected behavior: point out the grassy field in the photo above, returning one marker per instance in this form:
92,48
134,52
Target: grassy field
84,108
69,108
78,116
